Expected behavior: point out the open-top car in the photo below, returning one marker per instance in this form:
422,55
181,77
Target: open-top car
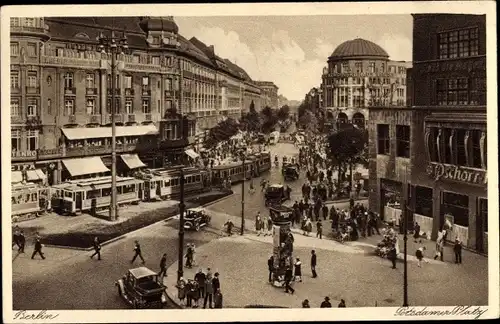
196,218
290,171
141,288
276,194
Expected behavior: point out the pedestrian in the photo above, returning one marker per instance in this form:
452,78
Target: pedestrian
15,239
288,280
189,256
457,248
308,226
326,303
313,264
97,248
163,267
181,290
229,227
325,211
420,255
392,256
252,189
209,290
194,293
269,226
22,241
218,299
200,279
216,282
319,229
258,224
38,248
305,304
416,234
440,246
298,270
342,304
270,267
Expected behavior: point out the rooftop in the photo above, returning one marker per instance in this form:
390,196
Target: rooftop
359,49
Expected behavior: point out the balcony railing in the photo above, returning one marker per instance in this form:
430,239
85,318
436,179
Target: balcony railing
72,119
169,93
131,118
129,92
148,117
148,68
95,119
70,91
118,118
71,62
146,92
32,90
91,91
17,120
29,30
50,153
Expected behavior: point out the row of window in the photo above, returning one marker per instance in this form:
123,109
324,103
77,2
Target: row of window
31,49
457,146
459,43
16,110
345,81
457,91
345,67
402,140
26,22
31,140
32,81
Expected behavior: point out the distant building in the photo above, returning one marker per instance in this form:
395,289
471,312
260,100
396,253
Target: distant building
359,75
438,146
270,93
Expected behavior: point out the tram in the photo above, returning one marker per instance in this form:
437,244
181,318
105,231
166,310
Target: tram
28,200
164,183
76,196
264,159
233,171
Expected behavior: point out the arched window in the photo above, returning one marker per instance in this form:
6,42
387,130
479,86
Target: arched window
342,118
358,119
82,35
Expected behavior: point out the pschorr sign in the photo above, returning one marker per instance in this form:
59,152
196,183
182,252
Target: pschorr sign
457,173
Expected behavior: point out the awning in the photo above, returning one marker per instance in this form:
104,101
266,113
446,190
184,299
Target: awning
35,175
191,153
16,177
105,132
132,161
88,165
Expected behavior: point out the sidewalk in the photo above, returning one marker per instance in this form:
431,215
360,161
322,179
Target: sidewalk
345,271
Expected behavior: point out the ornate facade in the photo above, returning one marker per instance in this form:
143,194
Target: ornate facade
359,75
61,81
270,93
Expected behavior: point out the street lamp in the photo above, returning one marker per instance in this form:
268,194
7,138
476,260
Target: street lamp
243,195
180,271
405,239
114,45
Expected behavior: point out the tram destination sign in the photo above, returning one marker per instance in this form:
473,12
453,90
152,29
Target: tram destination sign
457,173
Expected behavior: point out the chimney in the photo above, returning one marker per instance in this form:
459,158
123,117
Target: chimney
212,49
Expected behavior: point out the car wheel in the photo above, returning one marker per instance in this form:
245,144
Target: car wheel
197,228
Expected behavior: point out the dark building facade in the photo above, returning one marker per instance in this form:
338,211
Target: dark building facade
434,154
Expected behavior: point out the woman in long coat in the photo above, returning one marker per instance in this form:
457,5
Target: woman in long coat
298,270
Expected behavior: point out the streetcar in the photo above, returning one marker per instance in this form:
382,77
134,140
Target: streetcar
93,194
233,171
28,200
264,159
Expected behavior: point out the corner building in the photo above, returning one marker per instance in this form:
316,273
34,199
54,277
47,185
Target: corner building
61,92
438,147
360,75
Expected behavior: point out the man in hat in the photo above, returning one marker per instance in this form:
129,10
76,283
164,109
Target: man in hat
163,266
313,264
457,248
138,252
38,248
326,303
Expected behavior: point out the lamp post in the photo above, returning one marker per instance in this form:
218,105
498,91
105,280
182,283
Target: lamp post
114,45
243,196
180,271
405,239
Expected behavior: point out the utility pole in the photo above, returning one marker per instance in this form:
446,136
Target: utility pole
242,230
405,238
180,270
114,46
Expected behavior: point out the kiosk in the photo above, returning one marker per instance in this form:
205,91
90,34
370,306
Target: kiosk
282,242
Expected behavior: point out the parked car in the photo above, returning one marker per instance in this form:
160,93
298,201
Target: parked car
140,288
196,218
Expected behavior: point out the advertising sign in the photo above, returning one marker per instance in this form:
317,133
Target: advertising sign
457,173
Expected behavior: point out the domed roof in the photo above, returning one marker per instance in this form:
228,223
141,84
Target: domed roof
159,24
359,48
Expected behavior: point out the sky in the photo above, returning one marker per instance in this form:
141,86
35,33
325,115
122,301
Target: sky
291,51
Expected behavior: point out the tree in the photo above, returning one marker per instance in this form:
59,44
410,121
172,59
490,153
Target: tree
284,113
347,147
269,119
308,121
223,131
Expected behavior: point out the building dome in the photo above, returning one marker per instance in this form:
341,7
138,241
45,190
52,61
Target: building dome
359,49
166,24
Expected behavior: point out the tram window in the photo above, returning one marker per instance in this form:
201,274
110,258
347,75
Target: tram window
128,188
106,192
119,190
91,194
198,178
189,179
68,194
167,183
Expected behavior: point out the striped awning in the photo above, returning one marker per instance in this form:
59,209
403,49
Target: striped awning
80,133
132,161
191,153
16,177
35,175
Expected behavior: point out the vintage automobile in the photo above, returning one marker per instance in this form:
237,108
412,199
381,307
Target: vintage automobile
196,218
290,171
276,194
141,288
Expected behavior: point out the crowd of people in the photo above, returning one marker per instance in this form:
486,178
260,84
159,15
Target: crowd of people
203,288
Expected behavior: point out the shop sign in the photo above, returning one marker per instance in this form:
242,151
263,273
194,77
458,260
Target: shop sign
22,167
362,75
21,154
456,173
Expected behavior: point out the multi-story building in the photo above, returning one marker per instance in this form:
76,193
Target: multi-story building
61,92
269,93
359,75
434,154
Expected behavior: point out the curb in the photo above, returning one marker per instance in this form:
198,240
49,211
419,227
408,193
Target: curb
125,234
